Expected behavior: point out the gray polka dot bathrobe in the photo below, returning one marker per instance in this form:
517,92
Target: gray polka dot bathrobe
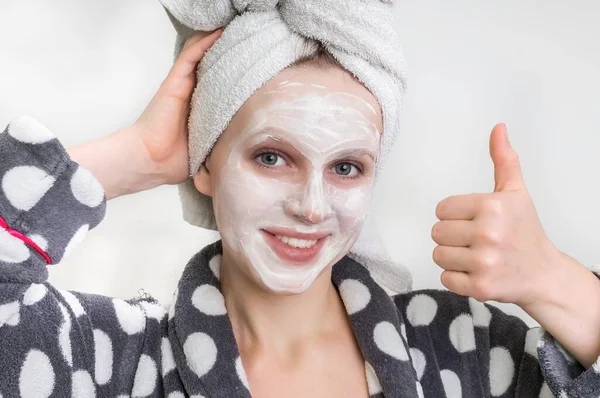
55,343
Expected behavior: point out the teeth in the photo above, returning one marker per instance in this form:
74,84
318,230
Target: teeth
295,242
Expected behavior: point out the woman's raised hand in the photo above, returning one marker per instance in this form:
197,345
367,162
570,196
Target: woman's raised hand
153,151
492,246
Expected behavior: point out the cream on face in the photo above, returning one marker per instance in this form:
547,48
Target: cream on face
292,198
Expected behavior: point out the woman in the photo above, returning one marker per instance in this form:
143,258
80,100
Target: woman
277,308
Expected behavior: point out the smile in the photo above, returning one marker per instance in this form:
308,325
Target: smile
295,242
291,246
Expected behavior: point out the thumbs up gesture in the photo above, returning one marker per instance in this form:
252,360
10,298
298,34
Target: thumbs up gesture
492,246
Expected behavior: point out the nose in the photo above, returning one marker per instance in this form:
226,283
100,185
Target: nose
312,205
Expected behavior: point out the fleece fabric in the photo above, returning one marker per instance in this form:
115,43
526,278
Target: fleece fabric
55,343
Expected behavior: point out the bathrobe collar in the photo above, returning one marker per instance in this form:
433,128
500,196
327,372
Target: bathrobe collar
207,356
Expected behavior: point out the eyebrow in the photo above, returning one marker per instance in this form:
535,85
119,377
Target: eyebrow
273,133
355,153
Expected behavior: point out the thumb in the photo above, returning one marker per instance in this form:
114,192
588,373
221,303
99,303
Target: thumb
507,168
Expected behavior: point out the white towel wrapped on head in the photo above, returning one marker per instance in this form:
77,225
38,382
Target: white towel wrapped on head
260,39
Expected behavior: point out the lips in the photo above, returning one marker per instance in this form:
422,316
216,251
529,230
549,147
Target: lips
294,247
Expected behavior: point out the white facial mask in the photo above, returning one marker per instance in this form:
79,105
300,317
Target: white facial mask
324,128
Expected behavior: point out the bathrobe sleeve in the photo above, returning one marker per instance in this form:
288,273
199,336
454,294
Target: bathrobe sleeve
468,349
55,343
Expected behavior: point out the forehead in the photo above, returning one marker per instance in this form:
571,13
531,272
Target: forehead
297,92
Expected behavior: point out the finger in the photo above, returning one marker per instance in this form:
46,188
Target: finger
457,282
192,54
458,207
195,38
454,258
507,168
455,233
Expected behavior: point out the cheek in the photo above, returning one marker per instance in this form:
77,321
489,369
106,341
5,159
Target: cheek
351,207
243,194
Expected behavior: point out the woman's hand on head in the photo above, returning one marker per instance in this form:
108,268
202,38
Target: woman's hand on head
163,126
153,151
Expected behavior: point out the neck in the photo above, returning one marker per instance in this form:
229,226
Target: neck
265,320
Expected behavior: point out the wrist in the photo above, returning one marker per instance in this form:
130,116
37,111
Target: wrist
118,162
131,160
568,310
561,285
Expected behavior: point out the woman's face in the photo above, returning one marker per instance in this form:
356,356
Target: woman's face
291,177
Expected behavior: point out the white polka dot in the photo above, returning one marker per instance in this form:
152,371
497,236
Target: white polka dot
83,385
104,357
64,342
123,396
209,300
145,377
40,241
451,383
481,314
131,318
531,341
12,250
388,341
462,333
86,188
418,361
168,362
201,353
545,391
36,367
176,394
65,313
76,240
373,384
153,310
420,390
197,396
34,293
403,332
64,338
596,366
73,303
24,186
241,372
563,394
215,265
10,314
172,307
355,295
502,370
29,131
421,310
542,341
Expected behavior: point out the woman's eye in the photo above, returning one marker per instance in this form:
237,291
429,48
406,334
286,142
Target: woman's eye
271,159
346,169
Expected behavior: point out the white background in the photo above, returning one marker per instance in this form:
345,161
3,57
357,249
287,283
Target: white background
86,68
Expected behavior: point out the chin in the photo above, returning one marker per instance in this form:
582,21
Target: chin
288,286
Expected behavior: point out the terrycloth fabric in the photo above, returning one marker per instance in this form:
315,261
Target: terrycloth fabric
57,344
263,37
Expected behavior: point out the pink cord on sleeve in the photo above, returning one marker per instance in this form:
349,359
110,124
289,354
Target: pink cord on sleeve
25,239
